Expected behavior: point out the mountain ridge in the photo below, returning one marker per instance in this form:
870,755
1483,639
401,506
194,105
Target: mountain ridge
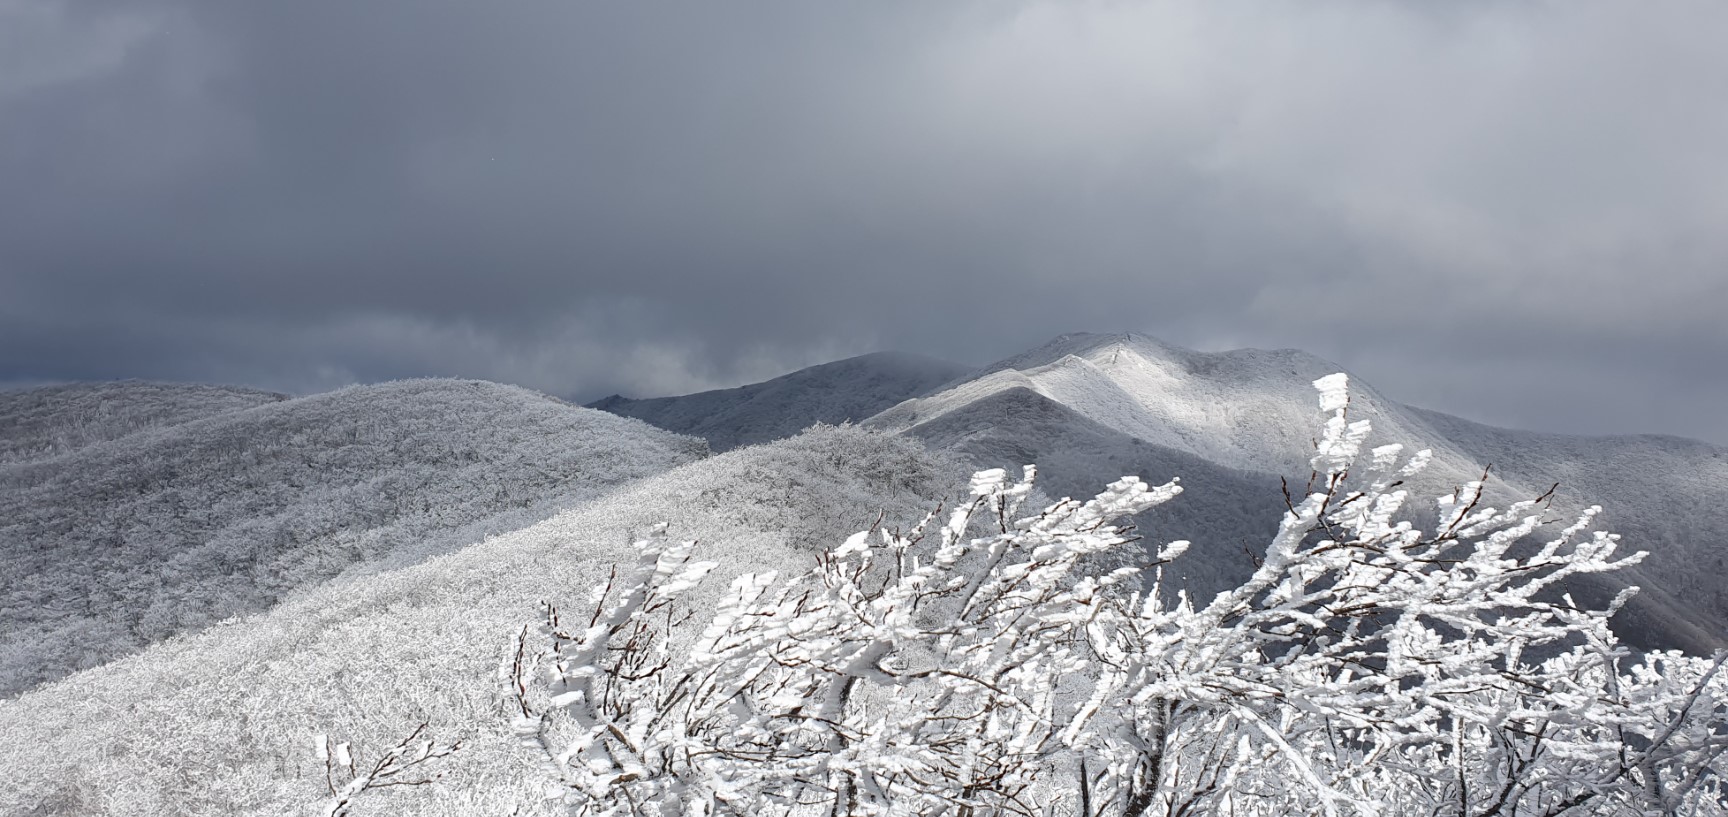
1252,411
49,421
847,390
127,541
1130,399
221,722
217,720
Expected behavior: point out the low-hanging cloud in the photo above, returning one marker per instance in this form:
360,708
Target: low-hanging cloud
1506,210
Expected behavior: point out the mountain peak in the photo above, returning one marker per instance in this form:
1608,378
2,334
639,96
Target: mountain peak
1245,408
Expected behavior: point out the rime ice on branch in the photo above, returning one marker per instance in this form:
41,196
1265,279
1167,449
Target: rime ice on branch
973,665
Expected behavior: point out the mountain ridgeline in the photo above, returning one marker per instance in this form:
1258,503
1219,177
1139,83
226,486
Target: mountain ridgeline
850,390
199,579
130,538
1087,408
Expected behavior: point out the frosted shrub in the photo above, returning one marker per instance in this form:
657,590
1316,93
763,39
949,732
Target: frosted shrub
973,665
401,765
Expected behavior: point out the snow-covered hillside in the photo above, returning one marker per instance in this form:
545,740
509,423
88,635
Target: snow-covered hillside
1666,495
55,420
1083,406
221,723
1227,513
1247,409
120,543
832,393
351,529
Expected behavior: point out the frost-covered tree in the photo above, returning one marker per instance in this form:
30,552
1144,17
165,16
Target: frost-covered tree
980,663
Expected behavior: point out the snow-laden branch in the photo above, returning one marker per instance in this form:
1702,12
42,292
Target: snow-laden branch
975,665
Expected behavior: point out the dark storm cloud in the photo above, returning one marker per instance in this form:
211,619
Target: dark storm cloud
1510,211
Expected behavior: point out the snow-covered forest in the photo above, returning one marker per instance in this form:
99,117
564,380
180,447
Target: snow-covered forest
563,611
152,527
1367,666
222,722
1163,408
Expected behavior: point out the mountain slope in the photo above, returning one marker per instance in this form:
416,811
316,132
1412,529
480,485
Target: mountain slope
1251,413
55,420
1666,495
1247,409
832,393
221,723
125,542
1226,513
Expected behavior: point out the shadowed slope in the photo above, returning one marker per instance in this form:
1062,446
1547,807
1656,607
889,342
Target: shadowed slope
1666,495
832,393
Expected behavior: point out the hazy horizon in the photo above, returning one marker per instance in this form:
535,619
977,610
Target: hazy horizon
1505,211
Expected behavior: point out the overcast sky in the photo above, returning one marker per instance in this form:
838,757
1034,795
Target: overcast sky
1512,211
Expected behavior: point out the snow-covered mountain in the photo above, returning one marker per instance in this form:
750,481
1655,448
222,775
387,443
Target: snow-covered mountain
1226,512
1247,409
1087,406
832,393
129,538
221,723
372,552
1667,495
53,420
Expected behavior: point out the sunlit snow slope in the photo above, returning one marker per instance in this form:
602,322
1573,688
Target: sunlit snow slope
221,723
119,543
1086,407
832,393
1248,409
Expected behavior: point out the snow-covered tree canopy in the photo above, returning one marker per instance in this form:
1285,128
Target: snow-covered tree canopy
981,663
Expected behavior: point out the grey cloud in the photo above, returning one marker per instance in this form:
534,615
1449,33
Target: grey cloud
1483,208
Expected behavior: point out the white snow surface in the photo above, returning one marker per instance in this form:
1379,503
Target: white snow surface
122,542
222,722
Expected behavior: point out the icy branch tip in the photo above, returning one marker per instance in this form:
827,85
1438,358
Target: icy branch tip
1334,391
985,483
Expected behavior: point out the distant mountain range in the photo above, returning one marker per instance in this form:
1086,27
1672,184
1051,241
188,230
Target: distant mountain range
198,579
1089,407
850,390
